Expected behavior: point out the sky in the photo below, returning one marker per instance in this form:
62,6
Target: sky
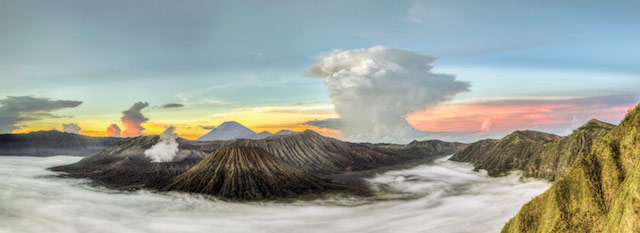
542,65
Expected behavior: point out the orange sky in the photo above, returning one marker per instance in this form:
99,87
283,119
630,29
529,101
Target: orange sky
493,116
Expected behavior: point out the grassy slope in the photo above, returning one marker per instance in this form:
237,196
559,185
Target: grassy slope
599,193
538,154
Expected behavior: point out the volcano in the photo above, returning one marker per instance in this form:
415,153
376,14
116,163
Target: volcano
248,173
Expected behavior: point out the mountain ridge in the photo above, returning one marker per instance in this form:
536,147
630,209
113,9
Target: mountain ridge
233,130
53,142
537,154
308,151
599,193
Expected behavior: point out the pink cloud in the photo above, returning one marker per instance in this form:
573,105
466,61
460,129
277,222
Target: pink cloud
514,114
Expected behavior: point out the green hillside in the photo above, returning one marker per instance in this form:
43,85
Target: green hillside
537,154
599,193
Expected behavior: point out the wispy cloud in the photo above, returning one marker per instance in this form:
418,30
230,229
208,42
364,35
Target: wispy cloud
188,97
173,105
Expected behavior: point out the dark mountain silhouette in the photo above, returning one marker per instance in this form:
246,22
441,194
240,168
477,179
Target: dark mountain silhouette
49,143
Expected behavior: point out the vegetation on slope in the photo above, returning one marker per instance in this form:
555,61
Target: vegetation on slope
511,152
537,154
599,193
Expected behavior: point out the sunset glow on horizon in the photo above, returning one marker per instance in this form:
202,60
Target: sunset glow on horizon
395,72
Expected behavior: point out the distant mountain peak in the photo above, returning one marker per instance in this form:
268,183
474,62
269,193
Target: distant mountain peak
284,132
228,130
533,135
233,130
232,124
597,123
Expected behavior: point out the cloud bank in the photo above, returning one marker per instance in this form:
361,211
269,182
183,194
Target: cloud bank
166,148
374,89
444,197
132,120
16,109
71,128
113,131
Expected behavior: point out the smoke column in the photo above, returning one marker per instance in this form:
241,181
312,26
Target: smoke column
166,148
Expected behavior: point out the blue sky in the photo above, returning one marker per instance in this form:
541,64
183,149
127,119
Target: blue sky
221,56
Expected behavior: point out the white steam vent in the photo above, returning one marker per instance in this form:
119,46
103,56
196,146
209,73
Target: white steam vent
166,148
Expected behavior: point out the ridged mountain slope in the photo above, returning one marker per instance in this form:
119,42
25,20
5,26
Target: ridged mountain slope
125,165
509,153
599,193
537,154
317,154
247,173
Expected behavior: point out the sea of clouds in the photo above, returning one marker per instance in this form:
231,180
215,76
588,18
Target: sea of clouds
441,197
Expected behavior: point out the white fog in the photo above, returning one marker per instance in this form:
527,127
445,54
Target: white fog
442,197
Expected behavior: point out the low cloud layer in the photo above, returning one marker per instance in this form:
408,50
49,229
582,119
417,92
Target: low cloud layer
132,120
166,148
374,89
16,109
331,123
113,131
443,197
71,128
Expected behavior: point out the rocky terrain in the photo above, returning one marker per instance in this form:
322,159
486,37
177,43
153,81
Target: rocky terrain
248,173
317,154
125,166
49,143
599,193
537,154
